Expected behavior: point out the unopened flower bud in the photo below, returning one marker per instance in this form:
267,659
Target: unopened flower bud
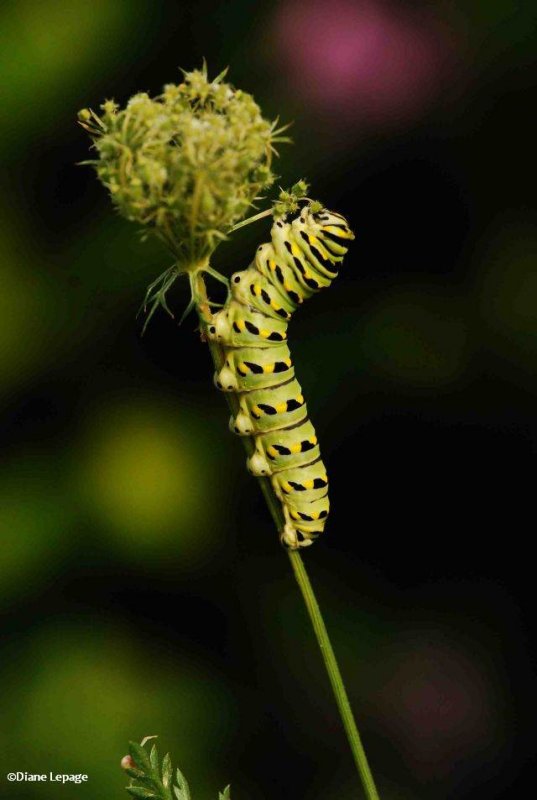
127,762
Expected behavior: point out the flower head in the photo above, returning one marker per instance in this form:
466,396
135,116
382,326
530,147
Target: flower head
185,165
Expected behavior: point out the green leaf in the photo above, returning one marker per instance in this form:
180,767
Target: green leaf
184,789
134,773
147,739
167,772
154,760
147,781
226,794
139,756
142,794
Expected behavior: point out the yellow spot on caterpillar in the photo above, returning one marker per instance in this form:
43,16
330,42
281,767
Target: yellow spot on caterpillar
288,362
281,407
242,369
257,289
295,515
308,484
287,487
240,324
325,252
256,410
300,399
313,239
295,249
272,265
313,440
343,234
268,368
295,448
274,305
264,333
314,515
272,452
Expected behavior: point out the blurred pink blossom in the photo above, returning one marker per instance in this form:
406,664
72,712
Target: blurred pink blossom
367,60
440,702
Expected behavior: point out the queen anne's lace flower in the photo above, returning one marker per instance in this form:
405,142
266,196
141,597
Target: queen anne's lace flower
187,164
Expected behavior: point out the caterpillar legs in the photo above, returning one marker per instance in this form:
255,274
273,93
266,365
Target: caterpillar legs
290,537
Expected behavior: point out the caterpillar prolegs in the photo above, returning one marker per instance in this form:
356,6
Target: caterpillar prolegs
303,256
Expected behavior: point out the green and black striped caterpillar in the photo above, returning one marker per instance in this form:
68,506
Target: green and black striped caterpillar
303,256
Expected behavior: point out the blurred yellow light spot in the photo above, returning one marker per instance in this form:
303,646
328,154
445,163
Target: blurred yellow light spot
48,47
144,478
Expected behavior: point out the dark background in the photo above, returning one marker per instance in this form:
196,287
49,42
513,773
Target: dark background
142,587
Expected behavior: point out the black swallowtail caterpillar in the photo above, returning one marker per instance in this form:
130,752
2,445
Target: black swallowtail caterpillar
302,257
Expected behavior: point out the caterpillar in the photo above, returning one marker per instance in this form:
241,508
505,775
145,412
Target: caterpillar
302,257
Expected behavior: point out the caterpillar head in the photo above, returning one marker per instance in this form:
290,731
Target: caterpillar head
313,217
258,465
241,424
226,380
327,219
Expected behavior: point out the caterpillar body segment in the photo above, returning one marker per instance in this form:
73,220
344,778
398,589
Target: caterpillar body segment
282,276
299,485
278,450
303,257
264,410
238,325
249,368
308,277
250,289
309,518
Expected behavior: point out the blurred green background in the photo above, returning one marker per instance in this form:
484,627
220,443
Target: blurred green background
142,587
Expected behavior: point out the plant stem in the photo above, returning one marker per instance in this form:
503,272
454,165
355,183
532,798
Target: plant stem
304,584
334,674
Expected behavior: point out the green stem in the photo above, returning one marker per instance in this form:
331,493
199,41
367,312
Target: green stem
334,674
306,588
255,218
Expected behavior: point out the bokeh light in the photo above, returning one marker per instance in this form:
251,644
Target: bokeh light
370,62
440,703
48,48
142,476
